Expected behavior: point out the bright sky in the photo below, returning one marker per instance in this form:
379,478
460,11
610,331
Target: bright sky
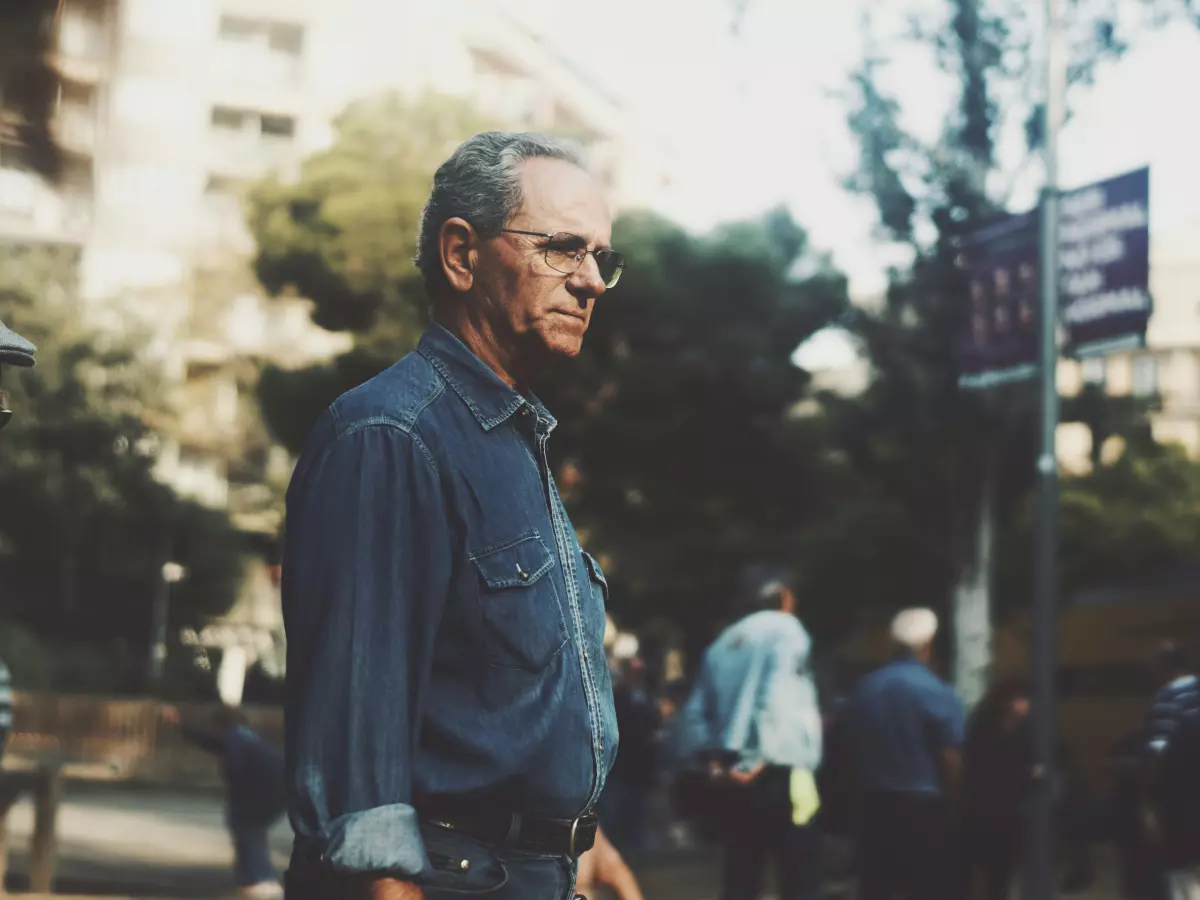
756,124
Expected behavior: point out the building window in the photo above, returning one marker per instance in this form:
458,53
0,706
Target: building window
278,126
1094,370
1144,382
260,51
228,120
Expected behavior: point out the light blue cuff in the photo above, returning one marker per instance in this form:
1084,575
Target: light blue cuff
386,839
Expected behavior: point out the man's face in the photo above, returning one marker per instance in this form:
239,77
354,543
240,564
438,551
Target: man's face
541,311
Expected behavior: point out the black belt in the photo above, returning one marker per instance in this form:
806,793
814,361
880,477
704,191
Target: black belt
531,834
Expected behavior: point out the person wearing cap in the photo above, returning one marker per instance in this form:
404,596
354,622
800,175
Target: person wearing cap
753,715
907,729
14,351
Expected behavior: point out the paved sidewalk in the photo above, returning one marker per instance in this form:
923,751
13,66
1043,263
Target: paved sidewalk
121,843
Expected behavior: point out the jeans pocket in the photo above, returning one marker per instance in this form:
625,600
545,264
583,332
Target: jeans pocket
461,864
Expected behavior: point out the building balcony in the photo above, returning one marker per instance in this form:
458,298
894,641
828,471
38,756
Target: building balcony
75,128
83,49
250,155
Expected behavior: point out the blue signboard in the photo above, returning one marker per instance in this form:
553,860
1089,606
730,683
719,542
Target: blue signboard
1104,260
1104,272
1000,339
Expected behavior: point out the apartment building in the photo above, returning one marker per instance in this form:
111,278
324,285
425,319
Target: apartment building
1168,367
169,109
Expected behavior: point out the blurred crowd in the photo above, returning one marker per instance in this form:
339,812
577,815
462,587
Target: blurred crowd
888,782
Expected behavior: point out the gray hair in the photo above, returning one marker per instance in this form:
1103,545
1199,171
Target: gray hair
481,182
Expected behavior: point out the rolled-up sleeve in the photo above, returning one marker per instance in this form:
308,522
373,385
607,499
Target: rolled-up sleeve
366,571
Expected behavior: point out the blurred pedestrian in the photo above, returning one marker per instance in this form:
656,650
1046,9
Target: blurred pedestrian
254,799
1140,868
6,706
449,715
1170,772
753,717
907,731
14,351
603,865
997,778
1179,809
634,775
1178,695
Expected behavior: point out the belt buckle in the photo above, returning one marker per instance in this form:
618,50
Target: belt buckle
571,843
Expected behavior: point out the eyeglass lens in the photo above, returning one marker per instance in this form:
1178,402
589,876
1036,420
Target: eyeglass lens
565,253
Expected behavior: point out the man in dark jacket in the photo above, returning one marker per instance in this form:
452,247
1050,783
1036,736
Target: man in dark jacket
1179,809
14,351
255,798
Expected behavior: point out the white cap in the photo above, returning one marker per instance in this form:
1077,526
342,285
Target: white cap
914,628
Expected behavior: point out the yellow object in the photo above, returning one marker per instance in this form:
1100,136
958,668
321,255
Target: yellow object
805,799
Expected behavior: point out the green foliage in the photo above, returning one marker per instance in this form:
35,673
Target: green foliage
344,235
920,449
1136,520
82,518
675,419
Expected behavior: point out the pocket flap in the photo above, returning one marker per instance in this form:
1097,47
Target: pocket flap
517,563
594,569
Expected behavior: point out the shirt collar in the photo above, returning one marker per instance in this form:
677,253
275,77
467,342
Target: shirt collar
489,399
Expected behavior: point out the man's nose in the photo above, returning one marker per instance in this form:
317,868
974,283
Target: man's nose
586,284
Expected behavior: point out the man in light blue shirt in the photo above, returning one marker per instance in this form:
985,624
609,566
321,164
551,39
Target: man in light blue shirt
755,703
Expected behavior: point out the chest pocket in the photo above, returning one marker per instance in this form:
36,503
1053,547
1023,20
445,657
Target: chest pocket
522,615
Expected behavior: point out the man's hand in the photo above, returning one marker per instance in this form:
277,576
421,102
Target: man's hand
742,776
604,865
392,889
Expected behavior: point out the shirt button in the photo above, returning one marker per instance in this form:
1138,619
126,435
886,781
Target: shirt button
465,864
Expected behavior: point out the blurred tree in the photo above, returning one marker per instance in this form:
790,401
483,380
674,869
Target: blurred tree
680,449
926,454
1134,520
28,84
344,235
82,516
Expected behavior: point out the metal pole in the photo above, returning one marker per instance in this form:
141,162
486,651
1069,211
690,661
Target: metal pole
1041,855
158,619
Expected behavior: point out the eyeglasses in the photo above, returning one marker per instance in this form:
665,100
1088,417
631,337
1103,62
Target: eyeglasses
565,253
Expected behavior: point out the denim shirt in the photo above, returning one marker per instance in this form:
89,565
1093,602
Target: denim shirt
901,719
755,695
445,629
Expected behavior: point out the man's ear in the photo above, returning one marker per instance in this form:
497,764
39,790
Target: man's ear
458,247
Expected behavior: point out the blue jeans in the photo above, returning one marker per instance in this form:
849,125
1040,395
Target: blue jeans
462,867
493,872
252,855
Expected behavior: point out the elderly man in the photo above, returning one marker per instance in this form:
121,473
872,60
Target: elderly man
449,712
753,715
907,729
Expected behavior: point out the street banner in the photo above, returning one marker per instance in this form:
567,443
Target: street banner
1104,260
1104,272
999,342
